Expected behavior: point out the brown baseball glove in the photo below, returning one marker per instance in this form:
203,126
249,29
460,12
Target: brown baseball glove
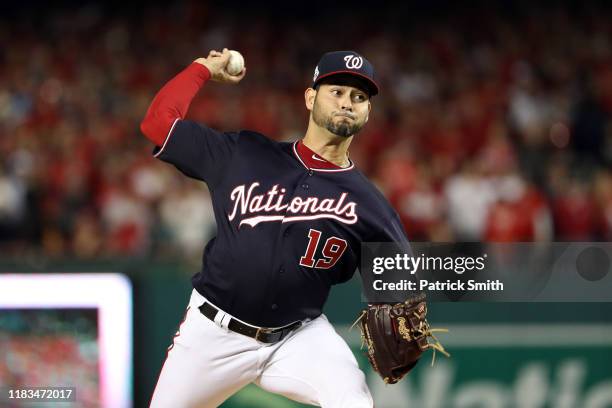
396,335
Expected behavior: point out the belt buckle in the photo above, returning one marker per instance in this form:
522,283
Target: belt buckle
260,330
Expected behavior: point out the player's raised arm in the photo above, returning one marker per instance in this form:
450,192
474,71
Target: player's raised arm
197,150
173,100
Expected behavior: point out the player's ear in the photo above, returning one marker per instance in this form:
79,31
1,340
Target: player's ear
309,97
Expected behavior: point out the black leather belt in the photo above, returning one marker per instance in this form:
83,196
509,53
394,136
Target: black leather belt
265,335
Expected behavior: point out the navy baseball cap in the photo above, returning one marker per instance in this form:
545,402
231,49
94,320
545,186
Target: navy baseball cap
337,63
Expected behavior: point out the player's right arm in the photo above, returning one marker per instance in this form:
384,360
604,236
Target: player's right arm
173,100
197,150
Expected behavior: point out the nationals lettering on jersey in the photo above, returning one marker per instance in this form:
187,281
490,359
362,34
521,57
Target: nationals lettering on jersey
286,230
256,208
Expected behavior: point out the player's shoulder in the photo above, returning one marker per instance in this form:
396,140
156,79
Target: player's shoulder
369,186
378,199
242,137
252,137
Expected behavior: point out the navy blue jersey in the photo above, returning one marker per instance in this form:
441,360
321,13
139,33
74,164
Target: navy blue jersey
285,233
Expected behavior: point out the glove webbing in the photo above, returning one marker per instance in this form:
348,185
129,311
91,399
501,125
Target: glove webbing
423,330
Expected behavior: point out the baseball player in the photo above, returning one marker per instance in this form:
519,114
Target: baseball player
291,218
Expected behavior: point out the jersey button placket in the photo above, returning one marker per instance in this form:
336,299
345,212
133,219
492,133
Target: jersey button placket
274,306
305,186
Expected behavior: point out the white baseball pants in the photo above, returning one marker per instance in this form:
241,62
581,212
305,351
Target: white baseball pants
207,363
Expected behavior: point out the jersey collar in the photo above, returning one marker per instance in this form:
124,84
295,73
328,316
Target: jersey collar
313,161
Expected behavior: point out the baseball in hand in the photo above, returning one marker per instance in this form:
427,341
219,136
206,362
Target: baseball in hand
235,64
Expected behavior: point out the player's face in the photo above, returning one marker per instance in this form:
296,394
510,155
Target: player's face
341,109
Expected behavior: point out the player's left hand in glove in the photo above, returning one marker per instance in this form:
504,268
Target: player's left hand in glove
396,336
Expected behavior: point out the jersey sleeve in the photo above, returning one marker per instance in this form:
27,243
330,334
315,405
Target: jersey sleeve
393,231
198,151
389,241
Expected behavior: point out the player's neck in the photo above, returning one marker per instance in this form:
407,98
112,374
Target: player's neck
331,147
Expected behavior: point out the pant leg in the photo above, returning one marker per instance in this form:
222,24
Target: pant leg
316,366
205,365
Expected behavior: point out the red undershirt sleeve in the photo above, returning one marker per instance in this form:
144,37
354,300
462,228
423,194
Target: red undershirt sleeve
172,102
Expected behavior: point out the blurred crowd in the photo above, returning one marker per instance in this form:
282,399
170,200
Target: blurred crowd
489,127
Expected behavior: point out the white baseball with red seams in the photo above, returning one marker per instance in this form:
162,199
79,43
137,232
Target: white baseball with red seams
235,64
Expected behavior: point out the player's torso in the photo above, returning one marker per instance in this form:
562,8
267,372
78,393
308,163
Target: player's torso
286,233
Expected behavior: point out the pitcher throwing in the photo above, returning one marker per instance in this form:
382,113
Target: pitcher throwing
291,218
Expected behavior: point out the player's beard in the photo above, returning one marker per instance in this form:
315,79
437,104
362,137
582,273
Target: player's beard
342,128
